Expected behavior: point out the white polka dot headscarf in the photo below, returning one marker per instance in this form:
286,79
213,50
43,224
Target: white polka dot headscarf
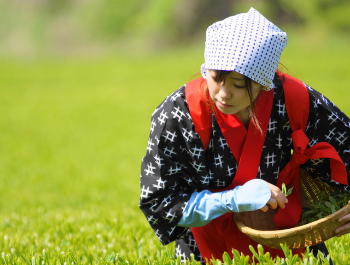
246,43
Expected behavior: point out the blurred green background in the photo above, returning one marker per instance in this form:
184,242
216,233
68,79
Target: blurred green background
79,81
92,28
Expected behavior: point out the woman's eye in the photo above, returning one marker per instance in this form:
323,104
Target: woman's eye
239,86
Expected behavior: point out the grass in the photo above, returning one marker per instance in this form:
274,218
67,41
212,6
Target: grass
73,133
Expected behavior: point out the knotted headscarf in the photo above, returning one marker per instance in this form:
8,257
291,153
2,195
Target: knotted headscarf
247,43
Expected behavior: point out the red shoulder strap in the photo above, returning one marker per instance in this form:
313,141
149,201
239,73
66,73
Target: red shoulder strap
297,101
200,112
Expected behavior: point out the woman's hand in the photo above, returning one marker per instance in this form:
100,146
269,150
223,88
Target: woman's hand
344,229
277,199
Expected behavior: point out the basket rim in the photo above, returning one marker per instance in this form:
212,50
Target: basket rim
284,233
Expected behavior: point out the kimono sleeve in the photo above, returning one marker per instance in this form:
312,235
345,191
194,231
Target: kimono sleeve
327,123
170,168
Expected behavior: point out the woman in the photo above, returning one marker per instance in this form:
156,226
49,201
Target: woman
222,143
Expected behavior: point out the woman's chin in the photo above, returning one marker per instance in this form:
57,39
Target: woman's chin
227,110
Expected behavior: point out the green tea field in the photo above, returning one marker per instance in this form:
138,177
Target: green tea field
72,136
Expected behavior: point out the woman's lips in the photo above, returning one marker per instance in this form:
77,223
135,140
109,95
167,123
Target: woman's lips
222,105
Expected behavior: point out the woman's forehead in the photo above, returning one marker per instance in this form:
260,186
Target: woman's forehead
236,76
239,77
232,74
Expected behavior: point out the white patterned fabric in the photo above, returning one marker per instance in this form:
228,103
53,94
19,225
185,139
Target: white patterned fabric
247,43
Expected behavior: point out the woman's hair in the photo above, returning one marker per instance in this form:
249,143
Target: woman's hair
220,76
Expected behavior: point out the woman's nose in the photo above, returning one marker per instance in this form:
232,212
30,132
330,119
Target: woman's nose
224,93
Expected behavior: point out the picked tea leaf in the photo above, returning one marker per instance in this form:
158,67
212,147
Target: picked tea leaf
333,209
331,199
289,191
285,191
326,205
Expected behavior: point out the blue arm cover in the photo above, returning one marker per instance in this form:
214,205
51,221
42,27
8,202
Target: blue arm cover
205,206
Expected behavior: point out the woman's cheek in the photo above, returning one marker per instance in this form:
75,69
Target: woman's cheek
211,93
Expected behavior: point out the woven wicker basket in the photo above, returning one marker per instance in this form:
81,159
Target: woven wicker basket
260,227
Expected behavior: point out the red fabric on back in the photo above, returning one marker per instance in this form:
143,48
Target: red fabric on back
297,105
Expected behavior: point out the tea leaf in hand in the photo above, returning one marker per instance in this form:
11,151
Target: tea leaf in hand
289,191
284,189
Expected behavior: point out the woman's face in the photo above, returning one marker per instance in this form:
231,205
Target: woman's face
231,97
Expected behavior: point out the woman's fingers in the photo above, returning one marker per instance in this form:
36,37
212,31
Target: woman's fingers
277,198
345,218
280,198
344,229
273,203
277,194
265,208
